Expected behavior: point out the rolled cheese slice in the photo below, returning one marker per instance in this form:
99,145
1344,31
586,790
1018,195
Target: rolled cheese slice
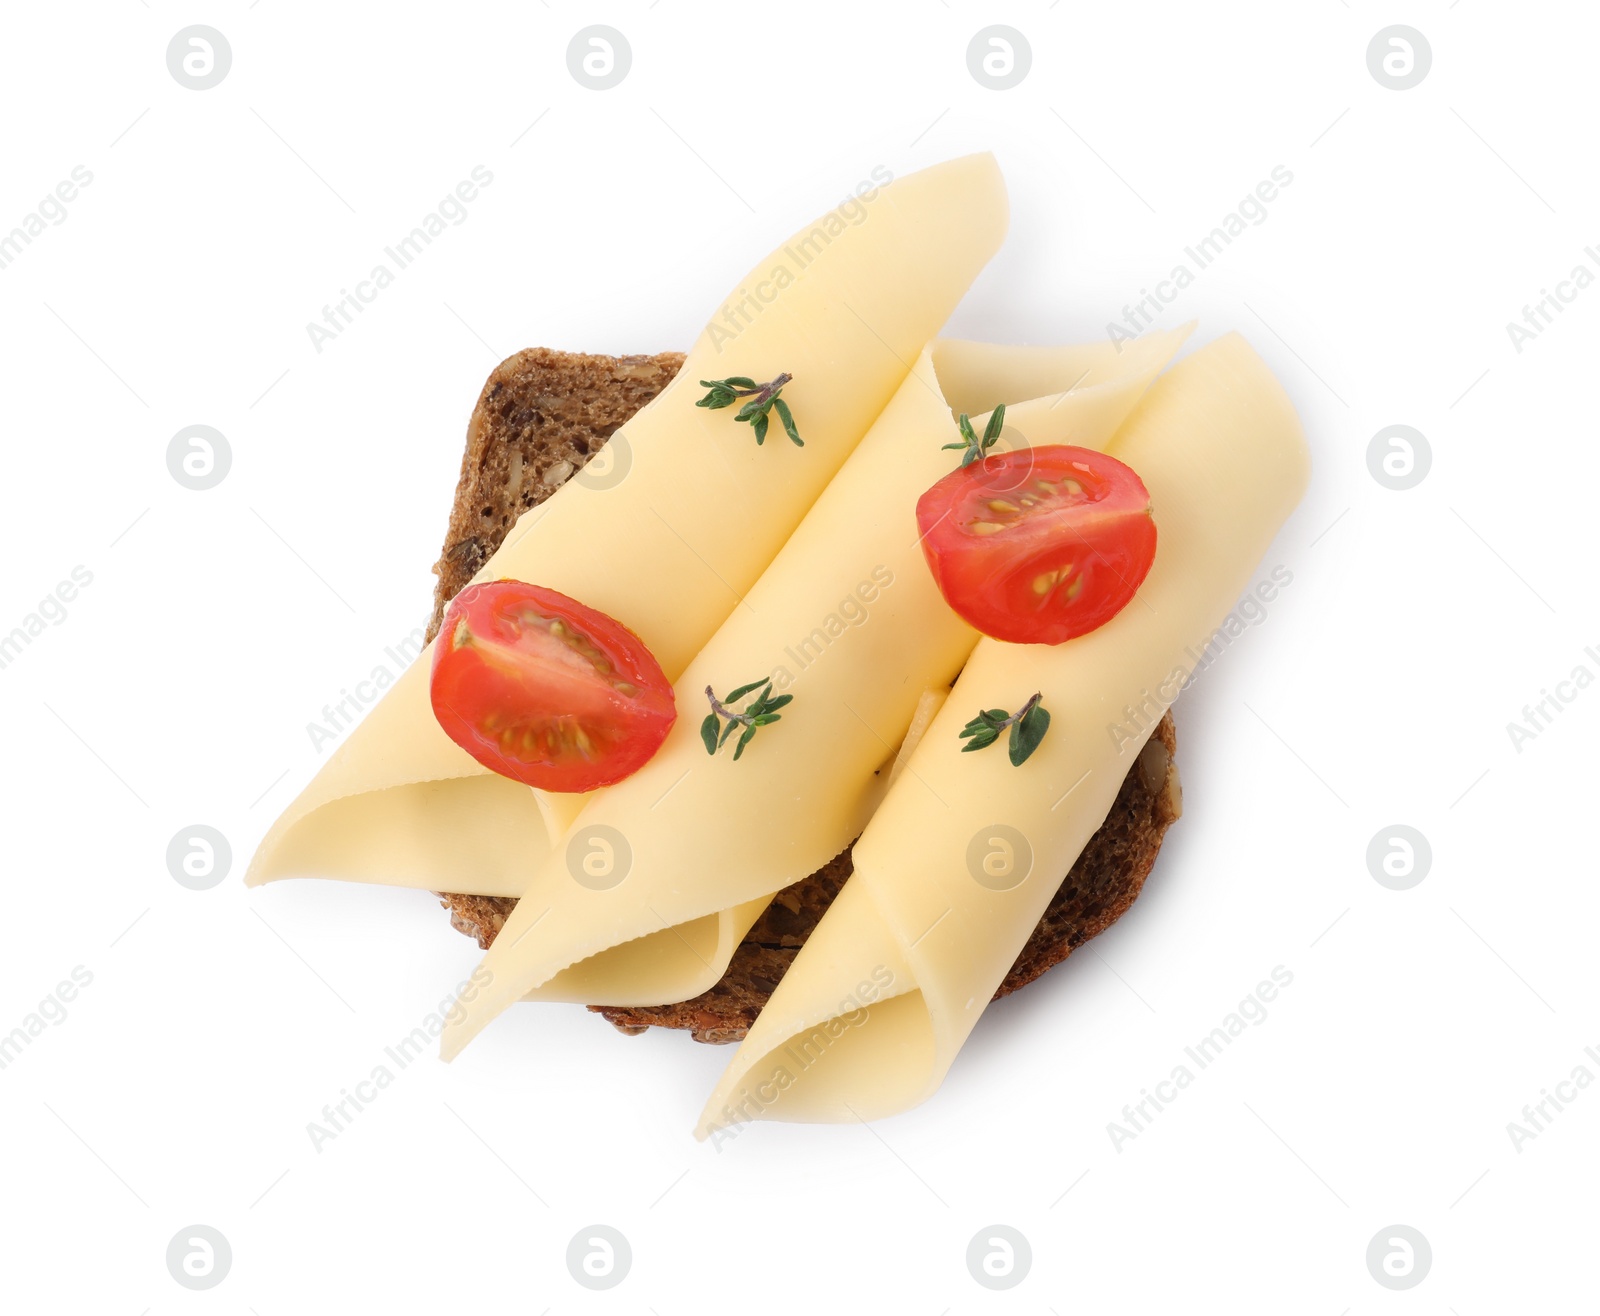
661,874
959,862
690,512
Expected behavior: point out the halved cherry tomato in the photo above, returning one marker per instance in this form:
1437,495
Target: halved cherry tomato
545,690
1038,545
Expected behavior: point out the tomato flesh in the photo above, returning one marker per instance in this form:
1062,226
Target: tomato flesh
1038,545
546,690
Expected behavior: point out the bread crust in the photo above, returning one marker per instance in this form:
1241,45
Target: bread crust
543,414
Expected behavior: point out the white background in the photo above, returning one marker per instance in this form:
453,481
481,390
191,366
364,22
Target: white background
178,687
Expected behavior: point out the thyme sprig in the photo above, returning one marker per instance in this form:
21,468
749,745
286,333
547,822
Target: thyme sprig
976,448
1028,725
763,399
760,712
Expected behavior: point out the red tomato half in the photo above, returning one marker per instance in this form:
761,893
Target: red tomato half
1038,545
544,690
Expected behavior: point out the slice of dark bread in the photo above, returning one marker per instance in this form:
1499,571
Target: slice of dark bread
542,415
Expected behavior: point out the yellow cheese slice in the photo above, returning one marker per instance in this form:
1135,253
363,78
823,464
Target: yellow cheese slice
848,621
957,865
921,719
689,515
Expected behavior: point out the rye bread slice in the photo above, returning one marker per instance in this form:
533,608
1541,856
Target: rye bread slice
542,415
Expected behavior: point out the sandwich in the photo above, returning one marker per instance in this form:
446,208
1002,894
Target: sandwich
541,417
810,690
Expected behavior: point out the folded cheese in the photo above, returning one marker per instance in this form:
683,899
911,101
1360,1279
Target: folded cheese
959,862
660,876
671,548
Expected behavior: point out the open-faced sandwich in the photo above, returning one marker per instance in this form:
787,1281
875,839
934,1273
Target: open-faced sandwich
811,691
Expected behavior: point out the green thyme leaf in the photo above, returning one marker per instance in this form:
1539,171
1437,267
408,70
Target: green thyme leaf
787,417
1028,726
762,399
975,447
997,422
1026,733
759,712
749,735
